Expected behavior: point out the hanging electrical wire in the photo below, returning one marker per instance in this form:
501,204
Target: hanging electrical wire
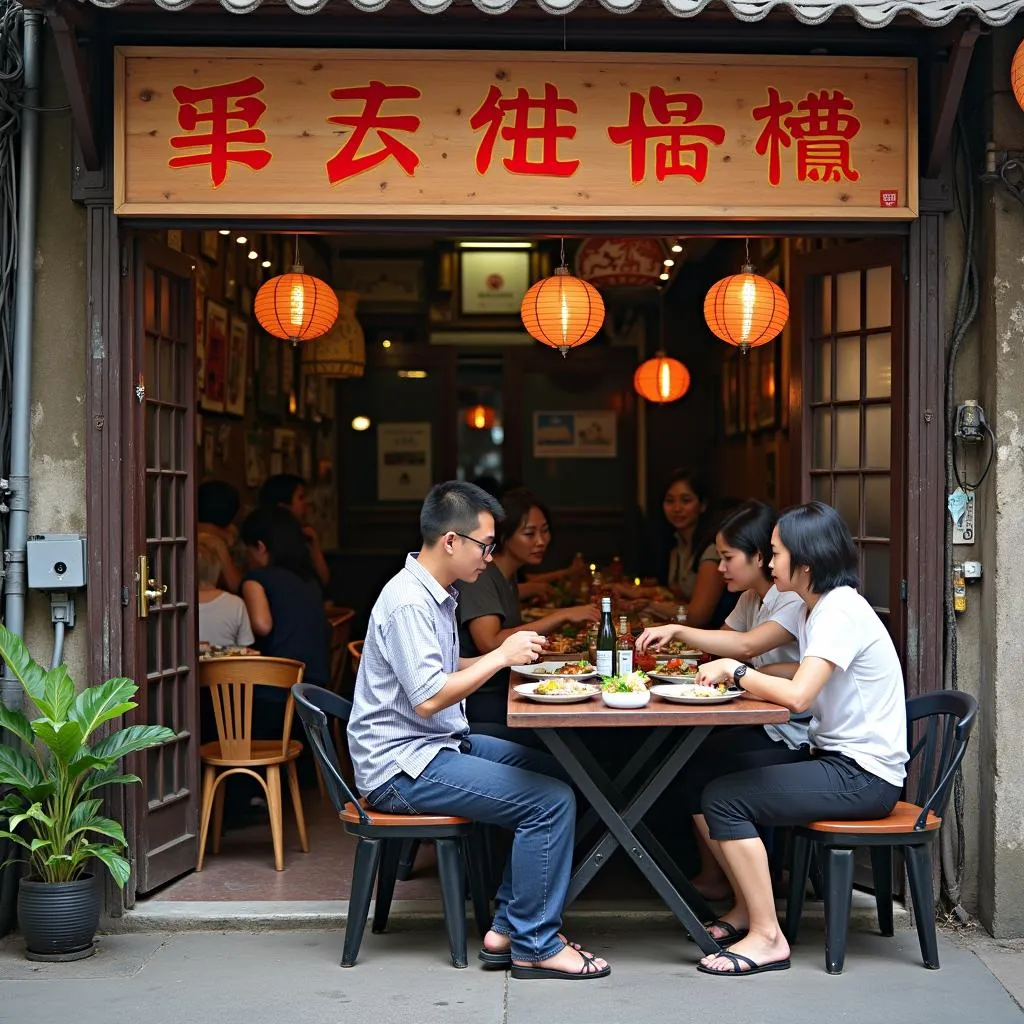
11,83
953,852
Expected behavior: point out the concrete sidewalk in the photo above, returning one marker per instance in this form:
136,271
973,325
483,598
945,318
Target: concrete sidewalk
242,978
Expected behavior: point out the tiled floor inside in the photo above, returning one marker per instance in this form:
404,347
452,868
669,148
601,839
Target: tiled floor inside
244,868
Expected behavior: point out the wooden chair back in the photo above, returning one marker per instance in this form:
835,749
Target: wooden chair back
232,684
355,652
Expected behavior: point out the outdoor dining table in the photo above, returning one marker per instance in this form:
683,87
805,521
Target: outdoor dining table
676,733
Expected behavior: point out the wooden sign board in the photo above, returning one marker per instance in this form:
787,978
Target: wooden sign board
419,134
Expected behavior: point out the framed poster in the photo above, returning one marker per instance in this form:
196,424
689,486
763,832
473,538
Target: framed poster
209,245
575,435
384,284
237,368
255,458
493,281
216,356
404,471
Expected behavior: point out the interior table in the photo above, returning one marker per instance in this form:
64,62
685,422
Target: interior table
676,733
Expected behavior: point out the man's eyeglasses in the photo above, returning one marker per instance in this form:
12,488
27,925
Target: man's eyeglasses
485,549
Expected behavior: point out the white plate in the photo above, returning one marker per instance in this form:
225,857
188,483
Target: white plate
551,670
672,679
684,693
528,690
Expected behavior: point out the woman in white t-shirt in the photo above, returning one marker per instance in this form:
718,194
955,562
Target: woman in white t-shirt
761,630
849,678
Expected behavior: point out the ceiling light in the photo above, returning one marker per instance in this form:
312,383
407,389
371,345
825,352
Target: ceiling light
663,277
361,423
253,254
677,247
669,263
241,239
386,343
412,374
495,245
224,231
266,264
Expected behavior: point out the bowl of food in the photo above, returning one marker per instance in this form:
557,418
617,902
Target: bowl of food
628,691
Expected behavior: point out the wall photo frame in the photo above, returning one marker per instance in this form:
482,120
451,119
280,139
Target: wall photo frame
237,367
268,393
215,377
209,245
492,282
733,394
384,285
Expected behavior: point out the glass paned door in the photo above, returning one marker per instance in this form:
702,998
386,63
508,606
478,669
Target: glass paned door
165,643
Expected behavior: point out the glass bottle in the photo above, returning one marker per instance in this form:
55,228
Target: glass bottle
624,648
615,569
606,641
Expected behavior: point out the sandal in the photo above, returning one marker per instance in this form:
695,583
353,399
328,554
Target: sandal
587,972
502,960
732,933
738,959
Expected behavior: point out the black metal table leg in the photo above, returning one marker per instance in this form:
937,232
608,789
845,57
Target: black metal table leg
599,791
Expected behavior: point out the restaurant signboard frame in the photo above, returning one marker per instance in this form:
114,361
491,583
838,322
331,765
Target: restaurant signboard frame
415,134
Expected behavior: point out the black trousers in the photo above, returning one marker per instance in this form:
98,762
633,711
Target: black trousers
794,789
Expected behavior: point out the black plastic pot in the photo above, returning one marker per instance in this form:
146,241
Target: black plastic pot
59,919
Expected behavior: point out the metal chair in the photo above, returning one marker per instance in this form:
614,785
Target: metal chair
232,684
938,728
380,837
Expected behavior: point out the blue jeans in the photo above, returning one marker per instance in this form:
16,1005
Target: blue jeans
502,783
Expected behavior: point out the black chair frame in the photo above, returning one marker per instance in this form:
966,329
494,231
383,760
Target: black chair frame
379,846
943,721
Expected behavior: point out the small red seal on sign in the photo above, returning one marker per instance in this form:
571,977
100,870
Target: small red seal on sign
889,198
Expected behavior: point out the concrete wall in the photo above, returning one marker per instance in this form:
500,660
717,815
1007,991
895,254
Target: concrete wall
58,435
991,368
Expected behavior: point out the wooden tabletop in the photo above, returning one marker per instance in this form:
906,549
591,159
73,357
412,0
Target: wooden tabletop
594,713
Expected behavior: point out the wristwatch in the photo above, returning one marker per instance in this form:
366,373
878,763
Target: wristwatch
738,673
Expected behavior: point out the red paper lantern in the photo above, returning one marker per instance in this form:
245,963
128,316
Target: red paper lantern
1017,76
562,311
296,306
661,379
746,309
481,417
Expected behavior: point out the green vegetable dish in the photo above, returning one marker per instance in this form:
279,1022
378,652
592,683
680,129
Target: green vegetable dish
635,682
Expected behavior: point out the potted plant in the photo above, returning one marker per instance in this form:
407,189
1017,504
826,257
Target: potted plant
52,807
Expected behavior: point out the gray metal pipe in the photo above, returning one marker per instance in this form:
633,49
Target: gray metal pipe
24,303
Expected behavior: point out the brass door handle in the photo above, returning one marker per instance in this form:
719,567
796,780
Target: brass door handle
149,589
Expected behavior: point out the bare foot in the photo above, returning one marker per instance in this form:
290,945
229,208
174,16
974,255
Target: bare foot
761,947
567,960
733,917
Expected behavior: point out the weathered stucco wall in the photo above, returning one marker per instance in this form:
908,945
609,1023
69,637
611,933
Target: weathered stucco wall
991,637
58,435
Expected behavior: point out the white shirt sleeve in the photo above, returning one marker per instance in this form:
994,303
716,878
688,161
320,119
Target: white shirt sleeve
741,618
832,635
788,611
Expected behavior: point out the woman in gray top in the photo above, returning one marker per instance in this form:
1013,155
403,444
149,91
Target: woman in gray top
489,609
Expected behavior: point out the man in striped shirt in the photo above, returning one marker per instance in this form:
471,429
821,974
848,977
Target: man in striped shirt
413,752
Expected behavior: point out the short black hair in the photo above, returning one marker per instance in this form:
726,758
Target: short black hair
817,536
280,488
517,504
455,506
748,528
217,502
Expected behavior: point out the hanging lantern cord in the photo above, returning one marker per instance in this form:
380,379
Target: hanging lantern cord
748,267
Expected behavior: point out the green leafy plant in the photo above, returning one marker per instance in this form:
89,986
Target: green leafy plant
51,808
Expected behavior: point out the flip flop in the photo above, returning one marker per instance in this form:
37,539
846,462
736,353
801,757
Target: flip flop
738,970
493,960
587,972
732,933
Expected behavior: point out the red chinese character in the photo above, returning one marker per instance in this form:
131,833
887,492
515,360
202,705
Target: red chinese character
217,142
348,162
774,136
521,133
677,113
822,132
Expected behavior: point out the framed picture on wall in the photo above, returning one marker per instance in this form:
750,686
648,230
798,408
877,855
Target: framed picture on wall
384,284
209,245
762,375
268,394
216,356
237,368
493,282
733,410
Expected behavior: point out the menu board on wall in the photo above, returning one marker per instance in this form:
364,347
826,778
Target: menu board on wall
403,461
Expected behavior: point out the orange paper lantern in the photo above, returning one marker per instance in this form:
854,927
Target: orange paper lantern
1017,76
296,306
746,309
661,379
480,417
562,311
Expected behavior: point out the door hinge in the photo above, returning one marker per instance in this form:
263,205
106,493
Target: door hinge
126,597
904,590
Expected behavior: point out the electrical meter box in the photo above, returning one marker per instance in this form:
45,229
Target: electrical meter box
56,561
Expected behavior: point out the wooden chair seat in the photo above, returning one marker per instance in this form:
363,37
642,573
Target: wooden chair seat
351,815
902,820
264,752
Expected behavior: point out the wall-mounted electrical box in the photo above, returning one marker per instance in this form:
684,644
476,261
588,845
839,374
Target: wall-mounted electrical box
56,561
